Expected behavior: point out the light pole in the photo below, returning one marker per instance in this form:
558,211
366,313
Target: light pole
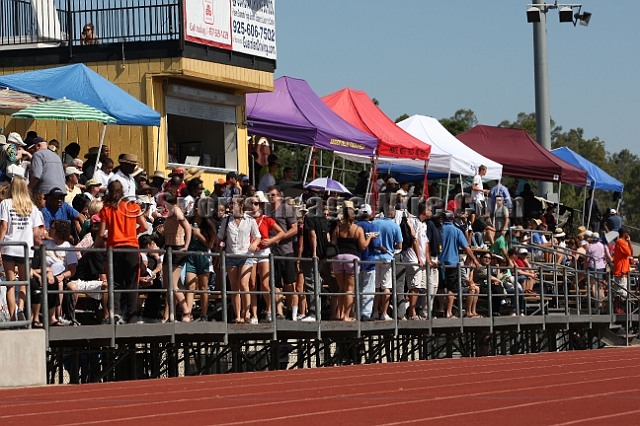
537,14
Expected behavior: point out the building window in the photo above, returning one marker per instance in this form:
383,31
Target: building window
202,128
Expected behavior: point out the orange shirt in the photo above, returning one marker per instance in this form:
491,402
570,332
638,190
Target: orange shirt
621,255
121,224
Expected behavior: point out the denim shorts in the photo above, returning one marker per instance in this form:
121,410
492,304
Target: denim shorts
232,262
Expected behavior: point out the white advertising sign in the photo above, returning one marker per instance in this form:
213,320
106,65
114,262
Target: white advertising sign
208,22
247,26
254,27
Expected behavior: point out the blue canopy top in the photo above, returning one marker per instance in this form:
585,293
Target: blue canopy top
596,177
402,172
79,83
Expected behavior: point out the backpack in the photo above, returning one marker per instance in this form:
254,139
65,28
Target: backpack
407,236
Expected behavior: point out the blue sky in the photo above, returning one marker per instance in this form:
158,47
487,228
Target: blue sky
435,57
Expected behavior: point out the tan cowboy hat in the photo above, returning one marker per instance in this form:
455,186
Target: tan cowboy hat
581,231
94,150
128,159
158,174
192,173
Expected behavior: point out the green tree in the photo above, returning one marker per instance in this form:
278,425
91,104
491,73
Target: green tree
527,122
462,120
401,118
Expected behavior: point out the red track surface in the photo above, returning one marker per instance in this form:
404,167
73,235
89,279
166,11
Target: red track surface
589,387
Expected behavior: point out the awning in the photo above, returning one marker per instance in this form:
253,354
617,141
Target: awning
79,83
520,155
294,113
597,178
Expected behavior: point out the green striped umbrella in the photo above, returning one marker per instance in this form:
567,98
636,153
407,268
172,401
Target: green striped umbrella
63,110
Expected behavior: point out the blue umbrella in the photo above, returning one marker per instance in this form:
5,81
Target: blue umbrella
326,184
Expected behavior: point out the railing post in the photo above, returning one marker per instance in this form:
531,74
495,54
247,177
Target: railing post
394,295
356,290
272,294
70,29
44,286
223,288
27,274
111,294
169,281
316,292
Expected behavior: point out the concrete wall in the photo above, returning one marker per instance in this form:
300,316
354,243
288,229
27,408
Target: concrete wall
23,358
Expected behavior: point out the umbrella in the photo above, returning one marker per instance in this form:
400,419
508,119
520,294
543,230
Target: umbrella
326,184
12,101
65,110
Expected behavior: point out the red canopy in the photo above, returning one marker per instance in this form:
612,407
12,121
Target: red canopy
520,155
355,107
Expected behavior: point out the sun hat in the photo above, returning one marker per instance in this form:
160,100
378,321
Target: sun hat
261,197
128,159
581,231
94,150
92,182
15,138
158,174
559,233
192,173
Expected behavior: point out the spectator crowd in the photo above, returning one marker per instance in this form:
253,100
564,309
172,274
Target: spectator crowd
167,233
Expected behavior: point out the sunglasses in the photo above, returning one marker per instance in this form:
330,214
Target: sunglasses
255,203
273,195
87,29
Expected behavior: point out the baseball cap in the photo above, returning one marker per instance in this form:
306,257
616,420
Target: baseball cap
401,192
612,211
92,182
365,209
522,250
56,192
36,141
71,171
392,181
245,179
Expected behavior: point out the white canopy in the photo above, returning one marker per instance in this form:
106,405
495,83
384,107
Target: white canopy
447,152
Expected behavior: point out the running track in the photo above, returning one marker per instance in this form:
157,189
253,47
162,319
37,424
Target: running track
568,388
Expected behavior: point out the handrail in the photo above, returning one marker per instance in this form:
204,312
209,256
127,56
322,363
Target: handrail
562,296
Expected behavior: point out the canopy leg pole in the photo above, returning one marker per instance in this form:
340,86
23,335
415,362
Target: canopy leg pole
426,178
584,204
559,198
593,193
446,194
367,194
62,146
307,165
157,151
333,163
104,130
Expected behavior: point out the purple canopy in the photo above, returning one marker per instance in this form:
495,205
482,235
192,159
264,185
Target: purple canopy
294,113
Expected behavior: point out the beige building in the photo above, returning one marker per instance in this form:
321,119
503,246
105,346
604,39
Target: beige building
199,90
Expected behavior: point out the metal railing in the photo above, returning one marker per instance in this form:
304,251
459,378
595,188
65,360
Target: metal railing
560,299
61,22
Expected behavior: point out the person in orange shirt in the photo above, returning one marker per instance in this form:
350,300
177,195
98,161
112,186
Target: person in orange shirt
621,267
119,219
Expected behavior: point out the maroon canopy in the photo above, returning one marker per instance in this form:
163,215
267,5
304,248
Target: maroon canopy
520,155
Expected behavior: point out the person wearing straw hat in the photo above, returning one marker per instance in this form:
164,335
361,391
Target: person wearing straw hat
128,163
157,180
192,173
92,187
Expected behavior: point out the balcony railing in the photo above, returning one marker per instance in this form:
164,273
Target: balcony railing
54,23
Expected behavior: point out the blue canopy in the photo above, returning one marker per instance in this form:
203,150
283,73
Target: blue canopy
79,83
596,177
402,172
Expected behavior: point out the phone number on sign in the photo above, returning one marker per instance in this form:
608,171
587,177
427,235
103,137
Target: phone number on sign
251,30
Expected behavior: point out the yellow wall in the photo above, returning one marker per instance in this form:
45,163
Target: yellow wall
145,80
